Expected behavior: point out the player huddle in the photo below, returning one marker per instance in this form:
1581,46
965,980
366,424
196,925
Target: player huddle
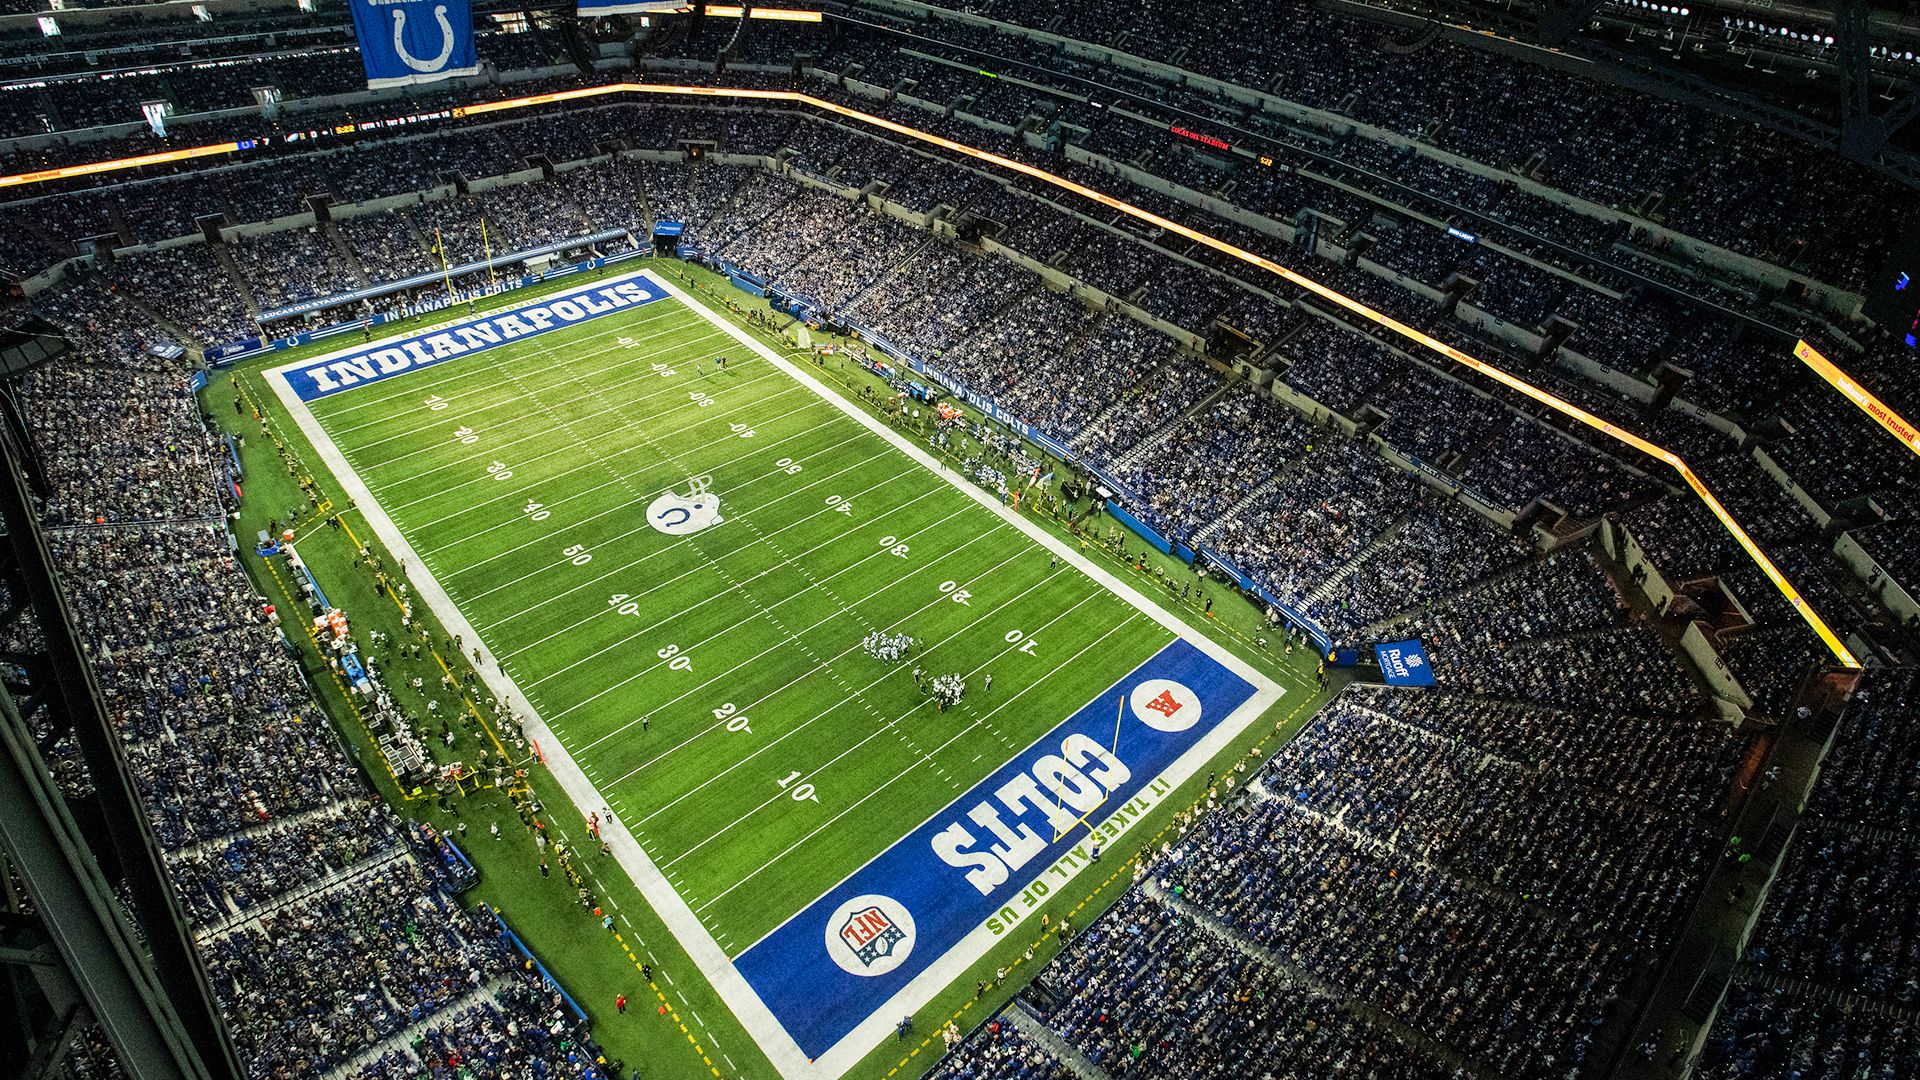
888,647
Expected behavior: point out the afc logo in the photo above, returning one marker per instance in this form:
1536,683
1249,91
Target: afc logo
870,935
1165,705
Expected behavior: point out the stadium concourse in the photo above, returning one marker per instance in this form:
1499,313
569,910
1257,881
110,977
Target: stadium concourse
1644,825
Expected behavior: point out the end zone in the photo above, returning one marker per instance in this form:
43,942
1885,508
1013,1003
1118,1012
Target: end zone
908,922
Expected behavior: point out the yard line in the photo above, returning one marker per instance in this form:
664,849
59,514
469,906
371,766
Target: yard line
969,625
689,572
641,528
708,563
514,423
672,545
886,727
785,637
618,507
514,494
925,756
503,354
569,449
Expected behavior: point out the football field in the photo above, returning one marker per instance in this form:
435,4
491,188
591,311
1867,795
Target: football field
676,569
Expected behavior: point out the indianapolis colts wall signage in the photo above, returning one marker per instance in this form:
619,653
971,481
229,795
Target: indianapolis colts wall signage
414,41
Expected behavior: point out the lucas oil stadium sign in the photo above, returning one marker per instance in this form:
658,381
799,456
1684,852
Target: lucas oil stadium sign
390,358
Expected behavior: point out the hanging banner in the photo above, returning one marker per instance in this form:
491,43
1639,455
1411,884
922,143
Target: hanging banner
1404,663
403,42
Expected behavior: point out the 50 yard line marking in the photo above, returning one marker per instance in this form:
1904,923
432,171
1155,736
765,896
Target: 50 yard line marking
707,563
618,507
672,545
514,495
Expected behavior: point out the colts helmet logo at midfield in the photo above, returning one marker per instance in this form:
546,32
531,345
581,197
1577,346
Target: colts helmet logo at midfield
870,935
678,514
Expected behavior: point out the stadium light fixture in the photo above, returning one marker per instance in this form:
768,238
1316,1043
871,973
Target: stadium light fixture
1513,382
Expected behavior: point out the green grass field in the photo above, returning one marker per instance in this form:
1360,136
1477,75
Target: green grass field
700,1031
712,684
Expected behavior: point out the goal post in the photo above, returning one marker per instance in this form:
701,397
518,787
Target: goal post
1059,800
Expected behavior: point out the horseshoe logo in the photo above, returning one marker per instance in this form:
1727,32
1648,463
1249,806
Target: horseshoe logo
446,40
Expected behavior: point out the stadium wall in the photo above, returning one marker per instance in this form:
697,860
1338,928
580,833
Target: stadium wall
490,183
1875,577
1792,487
1312,409
1386,273
302,220
1730,700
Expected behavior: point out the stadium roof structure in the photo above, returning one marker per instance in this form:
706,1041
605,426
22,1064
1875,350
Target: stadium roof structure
1834,645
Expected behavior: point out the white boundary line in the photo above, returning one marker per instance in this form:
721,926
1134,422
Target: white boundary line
785,1054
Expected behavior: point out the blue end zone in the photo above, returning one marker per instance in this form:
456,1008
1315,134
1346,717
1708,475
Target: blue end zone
389,358
828,968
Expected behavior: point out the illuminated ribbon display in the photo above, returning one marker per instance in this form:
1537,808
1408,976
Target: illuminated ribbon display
1854,392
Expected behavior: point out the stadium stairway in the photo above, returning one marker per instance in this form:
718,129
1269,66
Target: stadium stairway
1166,430
329,810
853,301
224,257
1787,986
1352,566
405,1037
1062,1051
174,330
346,252
1089,431
1251,498
251,917
1440,601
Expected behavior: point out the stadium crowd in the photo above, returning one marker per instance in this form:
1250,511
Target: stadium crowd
273,841
1828,979
1551,806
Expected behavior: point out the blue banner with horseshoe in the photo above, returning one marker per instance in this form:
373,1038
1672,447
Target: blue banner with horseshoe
403,42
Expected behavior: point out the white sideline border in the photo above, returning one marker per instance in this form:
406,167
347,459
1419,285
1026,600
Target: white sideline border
766,1030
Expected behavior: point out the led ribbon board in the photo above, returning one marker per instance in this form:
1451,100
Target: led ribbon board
1882,414
1834,645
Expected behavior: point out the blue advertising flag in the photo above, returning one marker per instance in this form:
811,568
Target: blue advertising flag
414,41
1404,663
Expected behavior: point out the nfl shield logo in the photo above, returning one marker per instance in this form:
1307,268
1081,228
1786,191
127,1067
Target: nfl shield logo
870,934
